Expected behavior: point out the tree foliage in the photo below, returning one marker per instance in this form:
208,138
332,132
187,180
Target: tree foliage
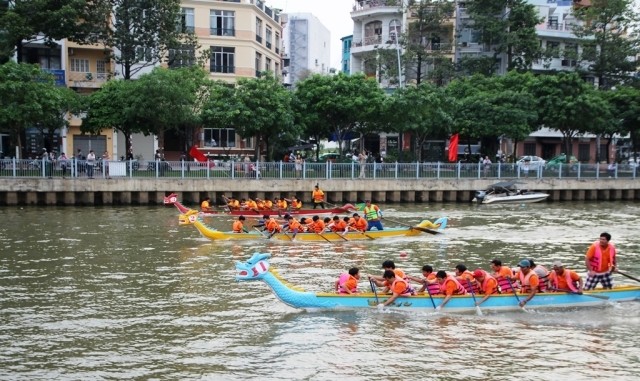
425,111
24,21
609,39
508,27
30,98
339,105
568,104
264,111
429,38
625,102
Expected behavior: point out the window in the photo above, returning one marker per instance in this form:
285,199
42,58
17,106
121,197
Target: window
220,137
394,30
258,30
553,48
223,23
101,69
258,63
553,22
222,59
583,151
530,149
267,64
276,42
267,37
143,54
80,65
277,69
373,33
186,23
184,57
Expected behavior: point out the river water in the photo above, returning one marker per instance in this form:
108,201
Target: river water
125,293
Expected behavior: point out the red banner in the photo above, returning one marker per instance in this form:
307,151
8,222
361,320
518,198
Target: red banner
196,154
453,148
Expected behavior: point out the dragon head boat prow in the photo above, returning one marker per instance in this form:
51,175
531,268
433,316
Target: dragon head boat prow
254,268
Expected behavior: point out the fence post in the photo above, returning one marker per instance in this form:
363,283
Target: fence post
459,170
417,169
280,170
329,169
304,169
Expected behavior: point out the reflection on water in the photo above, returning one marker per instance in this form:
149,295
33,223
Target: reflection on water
118,293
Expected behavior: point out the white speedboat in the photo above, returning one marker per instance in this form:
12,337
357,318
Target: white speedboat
508,192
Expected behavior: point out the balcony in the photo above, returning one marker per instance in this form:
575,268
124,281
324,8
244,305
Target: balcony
259,39
368,8
564,29
439,47
88,79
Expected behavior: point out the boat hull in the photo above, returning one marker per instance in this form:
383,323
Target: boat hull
217,235
258,268
517,199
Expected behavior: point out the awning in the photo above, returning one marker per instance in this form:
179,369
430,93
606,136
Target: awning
302,147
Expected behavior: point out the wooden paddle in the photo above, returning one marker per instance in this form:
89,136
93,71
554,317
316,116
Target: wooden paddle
430,296
323,237
604,297
515,293
627,275
373,288
426,230
473,295
260,231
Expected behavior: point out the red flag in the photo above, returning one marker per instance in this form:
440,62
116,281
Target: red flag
196,154
453,148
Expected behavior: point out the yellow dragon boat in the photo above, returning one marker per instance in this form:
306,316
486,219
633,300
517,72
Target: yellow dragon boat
425,226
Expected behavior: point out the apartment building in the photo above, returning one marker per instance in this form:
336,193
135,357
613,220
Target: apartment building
306,47
345,62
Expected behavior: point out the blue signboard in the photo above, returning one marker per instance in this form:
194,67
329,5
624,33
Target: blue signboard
59,77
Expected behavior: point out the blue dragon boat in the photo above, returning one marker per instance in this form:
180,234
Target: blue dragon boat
258,268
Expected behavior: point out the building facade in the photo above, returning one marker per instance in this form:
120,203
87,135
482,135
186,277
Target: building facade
345,62
306,47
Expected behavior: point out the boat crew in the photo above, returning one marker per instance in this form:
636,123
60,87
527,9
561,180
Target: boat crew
601,262
281,203
529,281
338,225
238,225
373,215
543,275
397,286
487,285
317,225
562,279
449,286
347,283
318,197
205,205
380,281
429,278
357,223
292,225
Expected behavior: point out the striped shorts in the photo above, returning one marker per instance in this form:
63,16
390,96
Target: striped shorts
604,278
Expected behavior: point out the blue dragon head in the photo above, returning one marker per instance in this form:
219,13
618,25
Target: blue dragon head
254,268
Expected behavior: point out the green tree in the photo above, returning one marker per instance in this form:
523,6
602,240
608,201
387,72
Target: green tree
508,26
145,33
490,107
28,97
625,101
113,106
167,99
264,111
62,102
568,104
340,105
424,111
608,36
429,38
25,21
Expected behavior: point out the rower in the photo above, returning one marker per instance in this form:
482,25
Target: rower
529,281
238,225
205,205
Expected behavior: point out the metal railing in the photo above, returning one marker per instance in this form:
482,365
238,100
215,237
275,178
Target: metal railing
12,168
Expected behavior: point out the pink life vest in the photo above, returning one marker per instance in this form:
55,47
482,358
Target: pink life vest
524,282
594,263
341,282
505,285
570,282
460,290
486,280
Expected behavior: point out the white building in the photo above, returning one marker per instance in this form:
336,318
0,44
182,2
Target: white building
306,46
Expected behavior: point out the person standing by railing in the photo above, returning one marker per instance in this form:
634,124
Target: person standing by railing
362,159
105,163
64,163
91,161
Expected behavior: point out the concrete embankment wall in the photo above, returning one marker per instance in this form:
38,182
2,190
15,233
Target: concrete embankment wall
151,191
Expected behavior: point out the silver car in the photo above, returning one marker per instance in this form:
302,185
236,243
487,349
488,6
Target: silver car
535,162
